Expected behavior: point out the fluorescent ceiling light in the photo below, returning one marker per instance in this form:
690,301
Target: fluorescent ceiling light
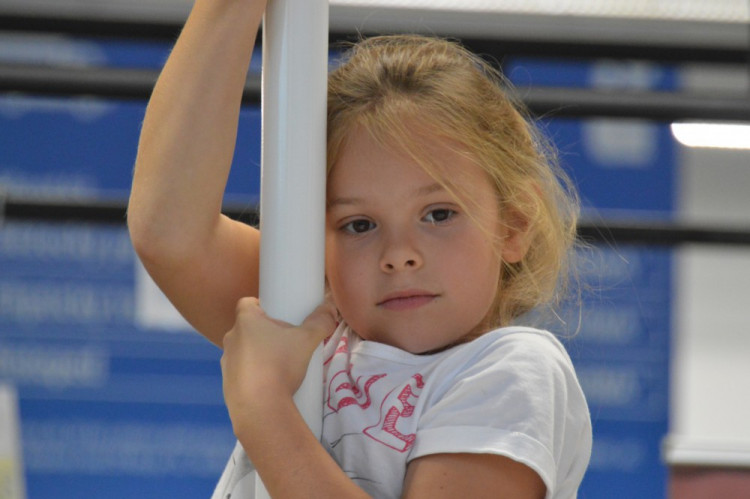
719,135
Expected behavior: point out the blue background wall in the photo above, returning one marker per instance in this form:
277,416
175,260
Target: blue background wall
115,406
620,332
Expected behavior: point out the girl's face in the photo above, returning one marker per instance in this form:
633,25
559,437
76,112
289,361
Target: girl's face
406,265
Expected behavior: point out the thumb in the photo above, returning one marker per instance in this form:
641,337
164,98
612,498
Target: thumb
321,321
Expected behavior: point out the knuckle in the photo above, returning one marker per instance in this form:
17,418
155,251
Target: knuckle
227,340
246,303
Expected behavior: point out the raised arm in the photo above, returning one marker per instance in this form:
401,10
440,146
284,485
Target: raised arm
203,261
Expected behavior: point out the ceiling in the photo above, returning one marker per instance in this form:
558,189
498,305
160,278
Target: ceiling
709,23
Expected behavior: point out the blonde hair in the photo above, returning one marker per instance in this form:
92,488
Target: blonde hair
403,87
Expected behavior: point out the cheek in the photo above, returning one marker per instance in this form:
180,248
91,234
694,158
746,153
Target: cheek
340,270
331,267
478,275
347,286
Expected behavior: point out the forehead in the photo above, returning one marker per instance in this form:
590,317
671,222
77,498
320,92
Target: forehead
413,157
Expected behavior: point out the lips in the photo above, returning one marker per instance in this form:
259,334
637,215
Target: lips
407,300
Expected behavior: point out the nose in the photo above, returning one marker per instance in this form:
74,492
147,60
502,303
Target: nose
400,253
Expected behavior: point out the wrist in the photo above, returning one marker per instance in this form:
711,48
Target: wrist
259,418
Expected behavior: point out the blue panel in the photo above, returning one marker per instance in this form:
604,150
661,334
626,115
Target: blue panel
109,407
617,164
620,347
84,147
87,148
610,179
618,334
74,448
623,462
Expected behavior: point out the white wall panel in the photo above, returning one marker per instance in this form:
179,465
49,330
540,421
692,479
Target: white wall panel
711,359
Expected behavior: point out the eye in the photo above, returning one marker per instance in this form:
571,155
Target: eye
440,215
359,226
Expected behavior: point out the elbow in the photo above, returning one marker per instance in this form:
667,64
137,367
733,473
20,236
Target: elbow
144,237
153,242
162,239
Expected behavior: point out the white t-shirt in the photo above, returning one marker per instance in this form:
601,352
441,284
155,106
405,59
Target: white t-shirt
510,392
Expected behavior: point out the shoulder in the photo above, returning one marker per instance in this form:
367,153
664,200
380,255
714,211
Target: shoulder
515,352
522,339
526,367
512,392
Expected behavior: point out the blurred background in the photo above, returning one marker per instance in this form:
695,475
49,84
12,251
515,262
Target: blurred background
105,391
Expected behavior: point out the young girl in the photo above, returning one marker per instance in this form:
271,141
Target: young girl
446,223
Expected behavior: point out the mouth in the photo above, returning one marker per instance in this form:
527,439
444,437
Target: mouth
406,300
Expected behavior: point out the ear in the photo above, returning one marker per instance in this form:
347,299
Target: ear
516,236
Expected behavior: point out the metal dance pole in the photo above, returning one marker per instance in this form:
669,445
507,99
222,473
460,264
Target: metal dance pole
293,177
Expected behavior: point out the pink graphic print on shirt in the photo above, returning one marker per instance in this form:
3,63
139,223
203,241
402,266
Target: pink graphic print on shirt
387,430
346,391
343,389
341,348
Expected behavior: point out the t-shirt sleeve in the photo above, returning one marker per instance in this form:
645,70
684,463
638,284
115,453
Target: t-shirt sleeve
519,398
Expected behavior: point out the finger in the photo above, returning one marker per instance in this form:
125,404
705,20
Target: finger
328,301
251,306
248,303
322,320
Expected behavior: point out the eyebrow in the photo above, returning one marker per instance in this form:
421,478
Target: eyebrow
421,191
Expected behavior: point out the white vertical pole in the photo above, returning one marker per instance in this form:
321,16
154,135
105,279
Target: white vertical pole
292,208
